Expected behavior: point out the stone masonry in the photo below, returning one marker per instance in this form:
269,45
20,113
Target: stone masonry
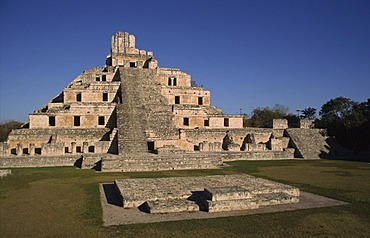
211,193
132,115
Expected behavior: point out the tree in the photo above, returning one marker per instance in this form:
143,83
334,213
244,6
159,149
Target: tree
262,117
308,113
6,127
348,121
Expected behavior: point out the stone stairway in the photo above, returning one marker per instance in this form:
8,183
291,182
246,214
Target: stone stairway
143,109
143,115
131,121
308,143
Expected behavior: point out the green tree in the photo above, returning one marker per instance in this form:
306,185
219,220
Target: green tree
348,121
262,117
6,127
308,113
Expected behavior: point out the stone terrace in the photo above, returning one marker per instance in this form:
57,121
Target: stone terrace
211,193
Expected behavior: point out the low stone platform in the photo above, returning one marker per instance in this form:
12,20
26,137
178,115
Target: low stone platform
115,214
210,193
153,162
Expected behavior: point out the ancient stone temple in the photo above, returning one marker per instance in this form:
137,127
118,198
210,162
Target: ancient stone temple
132,115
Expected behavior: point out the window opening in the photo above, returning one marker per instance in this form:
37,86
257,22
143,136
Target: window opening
174,82
132,64
186,121
91,149
76,121
78,97
226,122
104,78
177,99
51,120
169,82
38,151
206,122
101,120
200,100
78,149
105,97
97,78
150,146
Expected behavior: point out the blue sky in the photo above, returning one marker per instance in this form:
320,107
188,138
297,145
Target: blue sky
250,54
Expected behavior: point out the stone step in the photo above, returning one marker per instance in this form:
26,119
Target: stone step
171,206
122,167
226,193
268,199
231,205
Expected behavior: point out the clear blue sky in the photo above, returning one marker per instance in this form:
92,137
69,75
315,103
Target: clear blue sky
298,53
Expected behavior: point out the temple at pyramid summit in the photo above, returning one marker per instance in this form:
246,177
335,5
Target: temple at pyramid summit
133,115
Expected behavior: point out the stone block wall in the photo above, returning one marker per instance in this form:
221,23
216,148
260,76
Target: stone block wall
280,124
166,76
306,123
49,141
38,161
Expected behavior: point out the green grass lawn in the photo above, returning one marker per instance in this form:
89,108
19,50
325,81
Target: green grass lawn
64,202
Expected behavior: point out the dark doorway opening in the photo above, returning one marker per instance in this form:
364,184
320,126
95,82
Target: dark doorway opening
177,99
151,147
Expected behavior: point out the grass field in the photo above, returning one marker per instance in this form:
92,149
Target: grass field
64,202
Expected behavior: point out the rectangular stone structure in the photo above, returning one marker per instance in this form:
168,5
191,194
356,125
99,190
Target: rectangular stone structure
208,193
232,205
226,193
171,206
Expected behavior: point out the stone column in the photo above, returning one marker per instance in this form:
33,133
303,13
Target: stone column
211,147
73,148
19,149
85,147
32,149
201,147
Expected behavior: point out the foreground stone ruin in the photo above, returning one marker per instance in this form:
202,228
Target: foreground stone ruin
217,193
132,115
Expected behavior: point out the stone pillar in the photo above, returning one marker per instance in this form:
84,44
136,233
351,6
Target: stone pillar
182,134
205,146
32,149
131,39
279,123
201,147
306,123
19,149
73,148
113,45
211,147
85,147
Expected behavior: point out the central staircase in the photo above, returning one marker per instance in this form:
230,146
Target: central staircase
145,111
